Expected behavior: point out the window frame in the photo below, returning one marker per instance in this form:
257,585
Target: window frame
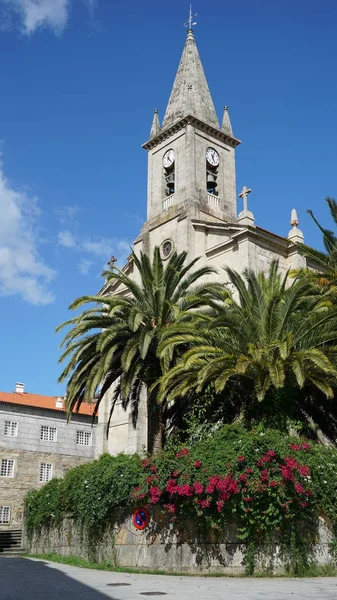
82,433
8,426
5,510
43,469
48,429
5,472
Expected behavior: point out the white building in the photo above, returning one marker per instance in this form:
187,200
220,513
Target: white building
192,206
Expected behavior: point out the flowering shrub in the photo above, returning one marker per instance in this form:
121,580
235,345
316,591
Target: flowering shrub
262,481
261,494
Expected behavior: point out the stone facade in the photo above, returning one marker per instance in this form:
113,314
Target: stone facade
29,451
192,216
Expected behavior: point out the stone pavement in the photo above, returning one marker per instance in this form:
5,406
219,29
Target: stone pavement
32,579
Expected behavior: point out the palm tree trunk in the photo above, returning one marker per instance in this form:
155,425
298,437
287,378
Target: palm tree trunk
155,424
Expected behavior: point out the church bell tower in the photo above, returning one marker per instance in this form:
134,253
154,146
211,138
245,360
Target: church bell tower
191,160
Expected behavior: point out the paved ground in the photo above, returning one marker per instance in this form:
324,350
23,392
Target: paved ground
32,579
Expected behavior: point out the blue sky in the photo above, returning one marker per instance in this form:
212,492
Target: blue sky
79,82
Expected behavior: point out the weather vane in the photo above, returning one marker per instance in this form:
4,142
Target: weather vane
190,22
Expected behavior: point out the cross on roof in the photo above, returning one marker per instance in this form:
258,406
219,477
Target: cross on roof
244,194
112,261
189,21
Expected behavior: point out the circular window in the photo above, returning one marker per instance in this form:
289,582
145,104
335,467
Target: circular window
166,248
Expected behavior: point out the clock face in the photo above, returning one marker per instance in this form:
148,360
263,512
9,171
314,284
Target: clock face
168,158
166,248
212,157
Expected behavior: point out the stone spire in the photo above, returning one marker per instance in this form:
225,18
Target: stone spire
295,235
226,123
190,93
155,128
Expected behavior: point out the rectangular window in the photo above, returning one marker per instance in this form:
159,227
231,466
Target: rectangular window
84,438
7,468
46,471
48,434
5,515
11,428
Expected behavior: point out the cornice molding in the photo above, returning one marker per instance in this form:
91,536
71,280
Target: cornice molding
190,120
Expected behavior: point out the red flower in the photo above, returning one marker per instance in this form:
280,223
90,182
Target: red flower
273,483
304,504
182,452
198,464
243,477
306,447
171,486
249,471
304,470
308,493
175,473
205,503
299,489
153,469
246,499
290,462
247,510
155,493
241,458
198,488
271,453
185,490
264,475
294,447
146,462
220,504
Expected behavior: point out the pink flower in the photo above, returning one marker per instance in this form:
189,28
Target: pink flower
198,488
220,504
271,453
182,452
299,489
249,471
264,475
205,503
294,447
198,464
171,486
304,504
304,470
306,447
243,477
290,462
241,458
175,473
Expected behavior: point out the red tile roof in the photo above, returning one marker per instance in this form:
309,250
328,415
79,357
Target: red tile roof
48,402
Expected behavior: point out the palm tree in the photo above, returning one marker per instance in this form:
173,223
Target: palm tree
326,275
115,342
268,334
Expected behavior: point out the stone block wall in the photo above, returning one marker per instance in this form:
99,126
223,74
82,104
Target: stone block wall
161,547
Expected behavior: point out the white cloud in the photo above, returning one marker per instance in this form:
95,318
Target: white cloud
65,238
37,14
22,270
98,247
84,266
67,213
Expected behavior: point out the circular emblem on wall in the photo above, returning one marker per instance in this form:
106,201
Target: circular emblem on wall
140,518
166,248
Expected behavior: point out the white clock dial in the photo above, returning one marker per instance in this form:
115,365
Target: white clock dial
168,158
212,157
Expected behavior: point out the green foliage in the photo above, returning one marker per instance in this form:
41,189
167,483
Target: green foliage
116,341
276,337
271,487
93,494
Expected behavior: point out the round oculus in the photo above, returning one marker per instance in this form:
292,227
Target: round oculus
212,157
168,158
166,248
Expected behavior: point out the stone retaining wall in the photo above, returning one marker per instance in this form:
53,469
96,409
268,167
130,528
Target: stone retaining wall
160,547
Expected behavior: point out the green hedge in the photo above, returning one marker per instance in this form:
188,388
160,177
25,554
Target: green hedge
263,481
